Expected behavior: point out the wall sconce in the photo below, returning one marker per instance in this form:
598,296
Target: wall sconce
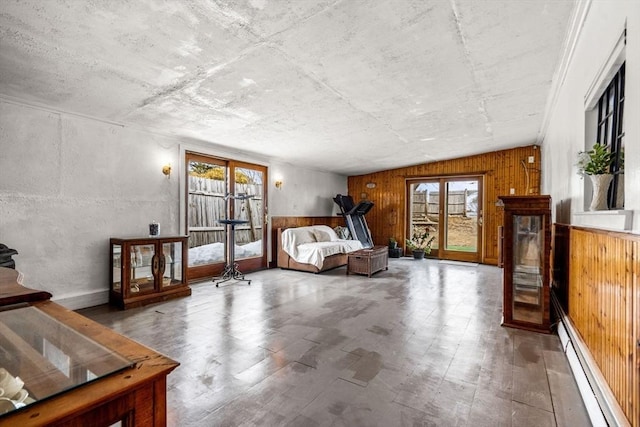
278,184
166,169
371,185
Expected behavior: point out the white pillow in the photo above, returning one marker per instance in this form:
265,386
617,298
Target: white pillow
324,233
342,232
299,235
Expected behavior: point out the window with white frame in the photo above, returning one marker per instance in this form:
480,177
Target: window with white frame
610,132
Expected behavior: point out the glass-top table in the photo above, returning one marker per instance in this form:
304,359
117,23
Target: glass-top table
40,357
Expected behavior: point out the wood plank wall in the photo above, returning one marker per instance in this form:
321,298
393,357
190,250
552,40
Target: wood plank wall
604,306
502,170
298,221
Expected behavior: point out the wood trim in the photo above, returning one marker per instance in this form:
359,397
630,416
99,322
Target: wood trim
560,264
604,307
502,170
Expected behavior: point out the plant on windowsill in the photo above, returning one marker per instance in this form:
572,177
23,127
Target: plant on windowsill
420,243
596,163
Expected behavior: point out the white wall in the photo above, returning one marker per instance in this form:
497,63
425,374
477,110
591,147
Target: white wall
303,192
68,183
601,28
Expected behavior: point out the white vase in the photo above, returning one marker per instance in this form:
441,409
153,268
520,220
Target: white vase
600,184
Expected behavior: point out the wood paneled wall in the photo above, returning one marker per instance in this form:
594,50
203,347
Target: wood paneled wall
502,170
604,307
298,221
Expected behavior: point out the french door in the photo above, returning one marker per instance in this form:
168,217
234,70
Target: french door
220,189
451,209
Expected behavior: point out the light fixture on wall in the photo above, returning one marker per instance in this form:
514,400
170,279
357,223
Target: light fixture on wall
278,184
166,169
371,185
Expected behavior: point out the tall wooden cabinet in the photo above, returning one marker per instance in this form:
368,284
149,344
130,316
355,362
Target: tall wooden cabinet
147,269
526,250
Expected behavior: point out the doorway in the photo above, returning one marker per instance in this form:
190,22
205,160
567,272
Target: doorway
224,189
450,208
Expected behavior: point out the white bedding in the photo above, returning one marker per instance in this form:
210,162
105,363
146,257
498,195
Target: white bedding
311,245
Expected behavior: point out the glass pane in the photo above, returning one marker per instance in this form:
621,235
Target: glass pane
461,216
207,189
43,357
248,237
142,279
116,265
173,264
425,206
528,305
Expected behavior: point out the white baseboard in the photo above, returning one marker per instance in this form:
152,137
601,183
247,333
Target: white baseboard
84,300
598,399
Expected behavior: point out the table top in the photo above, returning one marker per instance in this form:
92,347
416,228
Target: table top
35,343
11,292
148,365
233,221
378,249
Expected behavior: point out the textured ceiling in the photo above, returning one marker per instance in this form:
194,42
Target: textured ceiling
349,86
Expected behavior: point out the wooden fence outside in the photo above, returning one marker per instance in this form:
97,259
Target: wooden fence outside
426,204
207,206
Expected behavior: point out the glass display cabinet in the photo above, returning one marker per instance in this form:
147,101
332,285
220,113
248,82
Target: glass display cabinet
145,270
525,257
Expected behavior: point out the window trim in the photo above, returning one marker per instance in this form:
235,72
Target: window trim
610,128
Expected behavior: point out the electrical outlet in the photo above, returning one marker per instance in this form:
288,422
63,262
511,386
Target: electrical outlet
512,191
532,159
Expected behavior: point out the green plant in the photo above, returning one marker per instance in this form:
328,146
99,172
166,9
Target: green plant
393,243
421,241
596,161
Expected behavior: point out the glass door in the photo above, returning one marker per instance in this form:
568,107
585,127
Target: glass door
142,274
424,212
462,216
206,205
171,265
220,189
248,205
528,264
451,209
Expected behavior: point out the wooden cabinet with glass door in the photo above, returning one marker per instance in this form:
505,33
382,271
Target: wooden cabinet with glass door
526,250
146,270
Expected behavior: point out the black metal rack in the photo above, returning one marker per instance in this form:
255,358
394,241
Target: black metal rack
231,271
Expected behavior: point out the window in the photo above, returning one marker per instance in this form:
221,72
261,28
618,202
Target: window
611,133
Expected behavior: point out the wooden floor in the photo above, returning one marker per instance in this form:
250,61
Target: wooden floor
420,344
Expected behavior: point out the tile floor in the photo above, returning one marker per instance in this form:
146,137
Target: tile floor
417,345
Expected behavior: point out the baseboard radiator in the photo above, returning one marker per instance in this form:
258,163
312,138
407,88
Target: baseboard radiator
602,407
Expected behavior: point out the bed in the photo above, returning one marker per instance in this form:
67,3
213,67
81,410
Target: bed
314,248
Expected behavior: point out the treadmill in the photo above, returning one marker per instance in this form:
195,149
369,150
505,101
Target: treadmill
354,217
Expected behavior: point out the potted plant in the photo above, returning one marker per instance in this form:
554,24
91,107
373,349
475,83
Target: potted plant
393,243
420,243
596,163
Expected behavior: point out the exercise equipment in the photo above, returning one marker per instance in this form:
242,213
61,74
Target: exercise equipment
354,217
